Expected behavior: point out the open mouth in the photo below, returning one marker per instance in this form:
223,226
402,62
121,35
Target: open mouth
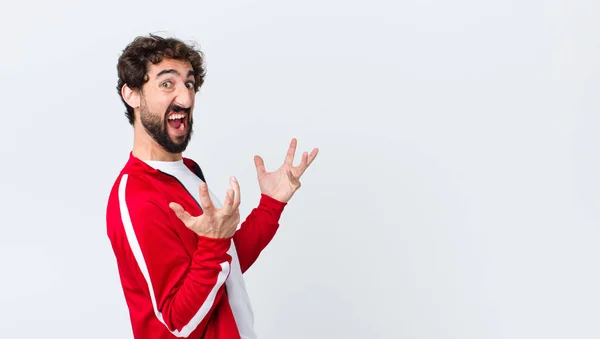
177,121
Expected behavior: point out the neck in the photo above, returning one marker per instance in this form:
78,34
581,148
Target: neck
145,148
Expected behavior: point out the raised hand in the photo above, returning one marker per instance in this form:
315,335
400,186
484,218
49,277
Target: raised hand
285,181
214,222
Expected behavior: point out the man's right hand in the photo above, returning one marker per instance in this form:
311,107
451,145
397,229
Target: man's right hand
214,222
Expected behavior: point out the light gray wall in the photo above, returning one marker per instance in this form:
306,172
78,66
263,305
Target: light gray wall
456,194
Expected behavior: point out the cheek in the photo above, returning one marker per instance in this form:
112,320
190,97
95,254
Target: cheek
160,107
161,101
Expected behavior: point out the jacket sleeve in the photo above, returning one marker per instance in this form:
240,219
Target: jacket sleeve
184,290
257,230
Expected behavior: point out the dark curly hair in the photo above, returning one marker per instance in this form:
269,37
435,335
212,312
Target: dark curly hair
135,61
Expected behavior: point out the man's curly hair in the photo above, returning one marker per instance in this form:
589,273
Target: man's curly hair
136,58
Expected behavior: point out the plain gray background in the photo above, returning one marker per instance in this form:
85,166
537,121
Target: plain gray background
456,193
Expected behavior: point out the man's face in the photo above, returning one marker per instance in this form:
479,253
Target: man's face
167,103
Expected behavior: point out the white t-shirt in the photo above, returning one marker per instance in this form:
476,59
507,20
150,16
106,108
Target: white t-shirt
236,288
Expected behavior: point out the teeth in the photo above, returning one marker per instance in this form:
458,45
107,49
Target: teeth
176,116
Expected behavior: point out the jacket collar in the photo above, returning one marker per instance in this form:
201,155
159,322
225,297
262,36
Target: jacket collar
135,164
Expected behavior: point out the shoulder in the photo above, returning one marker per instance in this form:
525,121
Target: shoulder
139,188
136,193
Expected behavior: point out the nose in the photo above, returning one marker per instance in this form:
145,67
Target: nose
185,97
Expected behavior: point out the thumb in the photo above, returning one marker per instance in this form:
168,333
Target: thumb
260,165
182,214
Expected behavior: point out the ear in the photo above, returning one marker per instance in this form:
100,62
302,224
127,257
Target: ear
131,97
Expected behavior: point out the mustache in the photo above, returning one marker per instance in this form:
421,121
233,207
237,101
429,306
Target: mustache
177,109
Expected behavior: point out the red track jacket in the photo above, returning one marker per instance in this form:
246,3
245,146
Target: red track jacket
174,280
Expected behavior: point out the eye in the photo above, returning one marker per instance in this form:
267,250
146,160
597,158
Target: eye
189,85
166,84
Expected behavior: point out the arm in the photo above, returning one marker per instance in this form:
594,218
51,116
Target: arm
257,230
276,188
184,290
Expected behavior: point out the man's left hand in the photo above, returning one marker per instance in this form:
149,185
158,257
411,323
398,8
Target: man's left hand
285,181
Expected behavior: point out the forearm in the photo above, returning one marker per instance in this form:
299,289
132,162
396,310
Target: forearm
257,230
187,303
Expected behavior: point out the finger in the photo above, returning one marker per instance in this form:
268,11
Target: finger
306,162
182,214
237,218
295,182
205,201
312,156
228,204
260,165
303,164
236,189
289,158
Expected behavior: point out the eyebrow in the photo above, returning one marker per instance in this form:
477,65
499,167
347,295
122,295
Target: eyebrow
173,71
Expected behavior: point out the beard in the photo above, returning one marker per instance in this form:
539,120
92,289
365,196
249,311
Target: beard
156,127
